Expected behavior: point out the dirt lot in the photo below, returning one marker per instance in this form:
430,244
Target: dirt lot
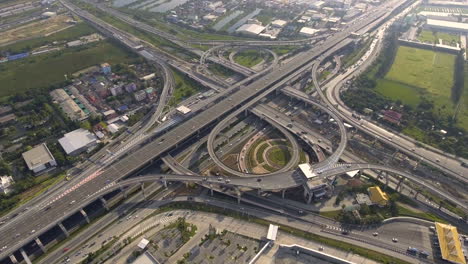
35,29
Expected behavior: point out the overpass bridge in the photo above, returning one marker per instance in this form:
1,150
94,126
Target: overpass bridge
132,163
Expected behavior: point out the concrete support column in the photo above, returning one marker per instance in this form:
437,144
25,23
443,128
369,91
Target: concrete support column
283,192
309,199
416,195
165,184
399,183
124,192
25,256
238,197
211,189
104,203
142,186
39,243
85,216
259,191
64,229
440,206
13,259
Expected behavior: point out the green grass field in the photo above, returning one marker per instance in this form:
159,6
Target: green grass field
248,58
447,38
184,88
279,156
49,69
418,73
423,68
399,91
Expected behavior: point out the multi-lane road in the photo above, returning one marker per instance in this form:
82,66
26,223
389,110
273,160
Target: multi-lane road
131,163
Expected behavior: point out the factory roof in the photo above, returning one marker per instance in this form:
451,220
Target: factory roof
377,196
308,31
279,23
183,109
307,170
76,140
251,28
447,24
450,245
37,156
272,232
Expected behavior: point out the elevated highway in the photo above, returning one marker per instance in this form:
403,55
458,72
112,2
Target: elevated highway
130,164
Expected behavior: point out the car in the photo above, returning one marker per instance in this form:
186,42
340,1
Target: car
72,202
65,249
320,248
17,235
345,232
33,231
47,208
375,234
423,254
394,240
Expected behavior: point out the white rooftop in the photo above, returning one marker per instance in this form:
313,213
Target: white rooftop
272,232
143,243
352,173
279,23
251,28
307,170
183,109
76,139
447,24
308,31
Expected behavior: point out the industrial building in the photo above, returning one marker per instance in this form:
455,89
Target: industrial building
434,24
450,244
377,196
5,184
78,141
278,23
250,29
39,159
308,32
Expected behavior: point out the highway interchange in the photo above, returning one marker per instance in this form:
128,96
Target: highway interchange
118,164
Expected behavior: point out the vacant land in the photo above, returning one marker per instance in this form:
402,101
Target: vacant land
184,88
49,69
71,33
36,29
420,73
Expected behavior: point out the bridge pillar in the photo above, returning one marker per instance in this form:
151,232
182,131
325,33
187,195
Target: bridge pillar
440,206
65,231
124,192
25,256
259,192
13,259
165,184
85,216
416,195
104,203
142,186
399,184
211,189
283,192
39,243
309,199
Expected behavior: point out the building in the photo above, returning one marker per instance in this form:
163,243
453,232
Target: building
39,159
113,128
250,29
6,119
362,198
77,141
116,89
272,232
377,196
106,68
183,110
143,244
130,88
150,93
140,95
69,106
450,26
278,23
392,116
308,32
109,114
148,77
449,243
5,184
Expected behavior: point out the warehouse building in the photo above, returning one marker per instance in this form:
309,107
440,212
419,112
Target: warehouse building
69,105
308,32
450,244
39,159
250,29
78,141
449,26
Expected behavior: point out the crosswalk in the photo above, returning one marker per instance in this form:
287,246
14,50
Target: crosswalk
339,229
